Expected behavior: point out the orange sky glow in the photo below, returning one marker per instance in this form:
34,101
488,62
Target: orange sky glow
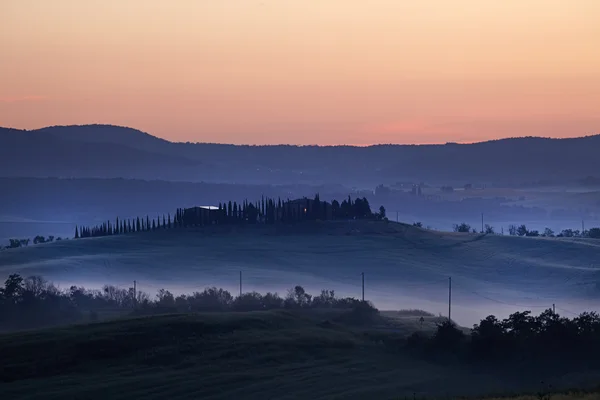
304,71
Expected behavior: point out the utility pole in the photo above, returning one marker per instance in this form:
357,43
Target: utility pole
363,286
450,299
482,223
240,283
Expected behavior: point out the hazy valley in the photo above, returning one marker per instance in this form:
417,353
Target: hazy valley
402,250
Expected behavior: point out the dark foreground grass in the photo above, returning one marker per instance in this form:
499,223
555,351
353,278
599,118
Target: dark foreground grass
255,355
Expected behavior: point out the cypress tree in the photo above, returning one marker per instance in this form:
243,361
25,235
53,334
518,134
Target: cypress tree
138,225
169,221
235,211
147,222
164,224
76,232
229,210
153,224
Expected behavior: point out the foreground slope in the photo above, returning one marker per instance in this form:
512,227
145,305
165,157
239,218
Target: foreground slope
260,355
405,267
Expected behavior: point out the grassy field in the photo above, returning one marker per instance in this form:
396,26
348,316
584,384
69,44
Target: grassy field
405,267
259,355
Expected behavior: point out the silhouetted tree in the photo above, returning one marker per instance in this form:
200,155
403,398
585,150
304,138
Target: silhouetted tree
462,227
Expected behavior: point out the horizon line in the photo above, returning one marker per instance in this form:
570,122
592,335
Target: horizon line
364,145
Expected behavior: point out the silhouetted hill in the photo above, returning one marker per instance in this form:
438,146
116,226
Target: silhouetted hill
45,154
84,151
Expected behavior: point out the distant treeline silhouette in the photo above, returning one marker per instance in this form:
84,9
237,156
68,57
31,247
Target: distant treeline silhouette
265,211
16,243
34,302
521,230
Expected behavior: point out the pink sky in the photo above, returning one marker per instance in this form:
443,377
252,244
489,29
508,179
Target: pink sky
304,71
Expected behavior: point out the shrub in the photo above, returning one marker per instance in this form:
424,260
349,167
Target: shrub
463,228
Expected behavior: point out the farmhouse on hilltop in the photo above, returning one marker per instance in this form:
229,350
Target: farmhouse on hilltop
201,215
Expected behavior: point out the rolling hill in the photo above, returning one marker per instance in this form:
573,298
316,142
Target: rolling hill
405,267
255,355
43,154
111,151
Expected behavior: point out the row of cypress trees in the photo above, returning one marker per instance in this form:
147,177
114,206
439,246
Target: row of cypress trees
266,211
120,227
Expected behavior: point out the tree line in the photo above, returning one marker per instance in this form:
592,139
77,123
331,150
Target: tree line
265,211
34,302
521,230
520,337
16,243
124,226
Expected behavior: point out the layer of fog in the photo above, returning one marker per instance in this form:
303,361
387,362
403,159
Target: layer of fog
469,303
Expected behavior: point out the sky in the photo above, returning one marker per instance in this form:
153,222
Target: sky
304,71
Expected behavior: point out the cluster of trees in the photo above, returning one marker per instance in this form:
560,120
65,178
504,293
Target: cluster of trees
265,211
521,336
271,211
16,243
34,302
463,228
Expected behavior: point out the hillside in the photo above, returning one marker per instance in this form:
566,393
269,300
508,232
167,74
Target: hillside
405,267
43,154
63,150
258,355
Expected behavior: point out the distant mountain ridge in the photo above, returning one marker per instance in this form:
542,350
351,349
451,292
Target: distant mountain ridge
107,151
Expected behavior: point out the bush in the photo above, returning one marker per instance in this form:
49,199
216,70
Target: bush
463,228
447,337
